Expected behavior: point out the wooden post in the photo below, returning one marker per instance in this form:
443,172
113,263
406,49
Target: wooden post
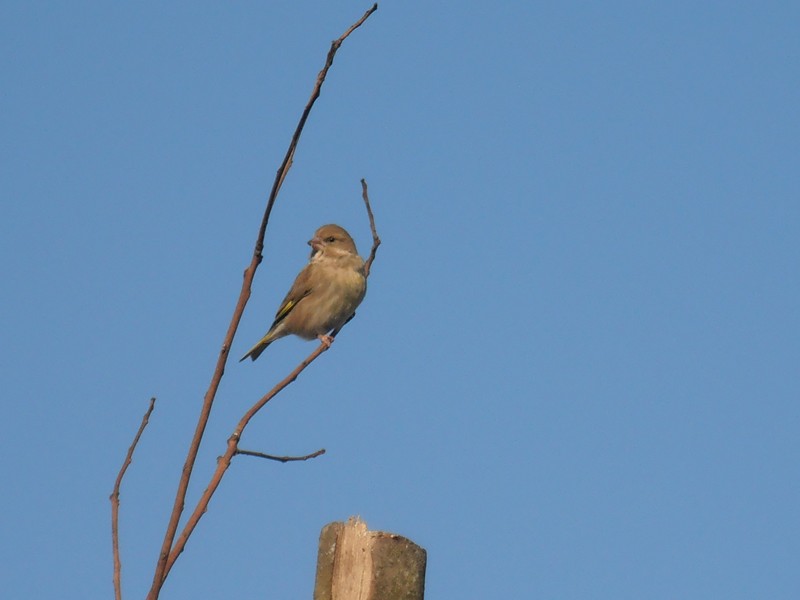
357,564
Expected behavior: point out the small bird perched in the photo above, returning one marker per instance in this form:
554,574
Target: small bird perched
325,294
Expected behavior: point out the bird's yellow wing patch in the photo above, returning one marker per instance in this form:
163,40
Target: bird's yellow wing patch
287,306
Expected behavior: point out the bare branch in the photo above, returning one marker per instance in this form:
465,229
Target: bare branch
115,501
224,461
376,241
283,459
170,548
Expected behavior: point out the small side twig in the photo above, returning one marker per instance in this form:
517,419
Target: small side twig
376,241
283,459
115,501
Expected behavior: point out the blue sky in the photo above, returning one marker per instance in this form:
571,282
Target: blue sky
575,374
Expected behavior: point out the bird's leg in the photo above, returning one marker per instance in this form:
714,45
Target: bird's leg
326,339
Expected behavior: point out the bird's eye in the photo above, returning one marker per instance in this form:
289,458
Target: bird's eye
330,239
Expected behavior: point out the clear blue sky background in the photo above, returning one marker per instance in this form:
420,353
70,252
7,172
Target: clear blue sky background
575,374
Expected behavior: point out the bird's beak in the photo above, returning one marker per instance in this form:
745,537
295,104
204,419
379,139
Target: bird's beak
315,243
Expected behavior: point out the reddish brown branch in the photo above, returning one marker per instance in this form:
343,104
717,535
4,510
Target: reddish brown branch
170,548
283,459
224,461
115,501
376,241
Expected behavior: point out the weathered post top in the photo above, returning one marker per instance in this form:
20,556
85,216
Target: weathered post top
357,564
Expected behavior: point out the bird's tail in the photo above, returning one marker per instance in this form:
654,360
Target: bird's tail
256,350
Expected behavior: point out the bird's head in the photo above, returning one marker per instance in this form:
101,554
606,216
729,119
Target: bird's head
332,241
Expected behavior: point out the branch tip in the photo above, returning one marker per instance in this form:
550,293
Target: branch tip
115,500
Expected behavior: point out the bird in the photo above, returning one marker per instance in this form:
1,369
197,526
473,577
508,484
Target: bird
325,294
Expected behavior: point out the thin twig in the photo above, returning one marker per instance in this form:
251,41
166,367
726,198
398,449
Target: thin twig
170,549
115,501
283,459
376,241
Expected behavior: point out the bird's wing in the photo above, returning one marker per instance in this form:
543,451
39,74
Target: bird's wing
299,290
